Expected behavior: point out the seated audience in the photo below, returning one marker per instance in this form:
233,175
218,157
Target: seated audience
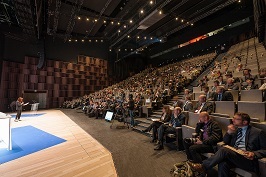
231,85
166,116
188,106
242,136
209,95
249,84
177,120
209,134
223,95
203,106
221,80
247,75
215,85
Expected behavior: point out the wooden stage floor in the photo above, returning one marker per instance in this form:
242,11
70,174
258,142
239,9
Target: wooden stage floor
80,155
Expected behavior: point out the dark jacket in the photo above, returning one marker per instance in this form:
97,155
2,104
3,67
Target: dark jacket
255,141
208,107
214,133
188,106
167,117
226,96
131,104
179,121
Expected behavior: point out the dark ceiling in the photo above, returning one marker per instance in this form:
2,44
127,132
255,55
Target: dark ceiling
115,21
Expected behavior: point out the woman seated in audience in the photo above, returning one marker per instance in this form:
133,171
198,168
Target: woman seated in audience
165,117
249,84
215,85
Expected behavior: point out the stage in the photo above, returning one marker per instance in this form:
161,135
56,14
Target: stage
79,155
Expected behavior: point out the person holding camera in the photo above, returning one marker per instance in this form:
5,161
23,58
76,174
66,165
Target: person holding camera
209,134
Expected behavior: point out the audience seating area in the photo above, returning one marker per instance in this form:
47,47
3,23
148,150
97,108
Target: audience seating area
157,86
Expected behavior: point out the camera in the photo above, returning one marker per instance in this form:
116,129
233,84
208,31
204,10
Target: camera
190,140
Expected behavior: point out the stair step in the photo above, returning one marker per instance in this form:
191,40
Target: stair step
146,121
144,125
139,129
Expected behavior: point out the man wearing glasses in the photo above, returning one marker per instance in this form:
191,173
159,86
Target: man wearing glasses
244,145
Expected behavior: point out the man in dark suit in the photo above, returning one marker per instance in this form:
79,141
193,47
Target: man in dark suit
247,139
209,95
203,106
222,95
177,120
209,135
188,106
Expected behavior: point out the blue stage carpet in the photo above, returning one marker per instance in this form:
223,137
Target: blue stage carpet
28,115
27,140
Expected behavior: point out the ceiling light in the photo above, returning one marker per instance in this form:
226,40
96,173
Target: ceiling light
141,11
101,40
87,19
182,20
151,38
191,24
82,40
176,18
69,40
118,23
128,36
76,40
96,40
187,22
239,1
112,23
125,26
125,49
104,21
89,40
138,37
119,50
119,31
160,12
145,37
110,50
151,2
95,20
79,18
131,49
130,21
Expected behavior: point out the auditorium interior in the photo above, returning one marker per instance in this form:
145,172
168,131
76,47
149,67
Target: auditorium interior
105,74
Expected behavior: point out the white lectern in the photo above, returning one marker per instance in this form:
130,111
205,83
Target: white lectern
5,131
34,107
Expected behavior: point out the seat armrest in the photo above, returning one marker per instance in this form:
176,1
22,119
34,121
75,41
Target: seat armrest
178,128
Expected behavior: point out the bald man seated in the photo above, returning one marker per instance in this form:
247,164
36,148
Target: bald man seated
208,134
203,105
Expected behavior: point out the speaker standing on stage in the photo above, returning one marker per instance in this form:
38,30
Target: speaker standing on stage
19,105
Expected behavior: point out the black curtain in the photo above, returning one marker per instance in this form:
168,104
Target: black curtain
259,19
